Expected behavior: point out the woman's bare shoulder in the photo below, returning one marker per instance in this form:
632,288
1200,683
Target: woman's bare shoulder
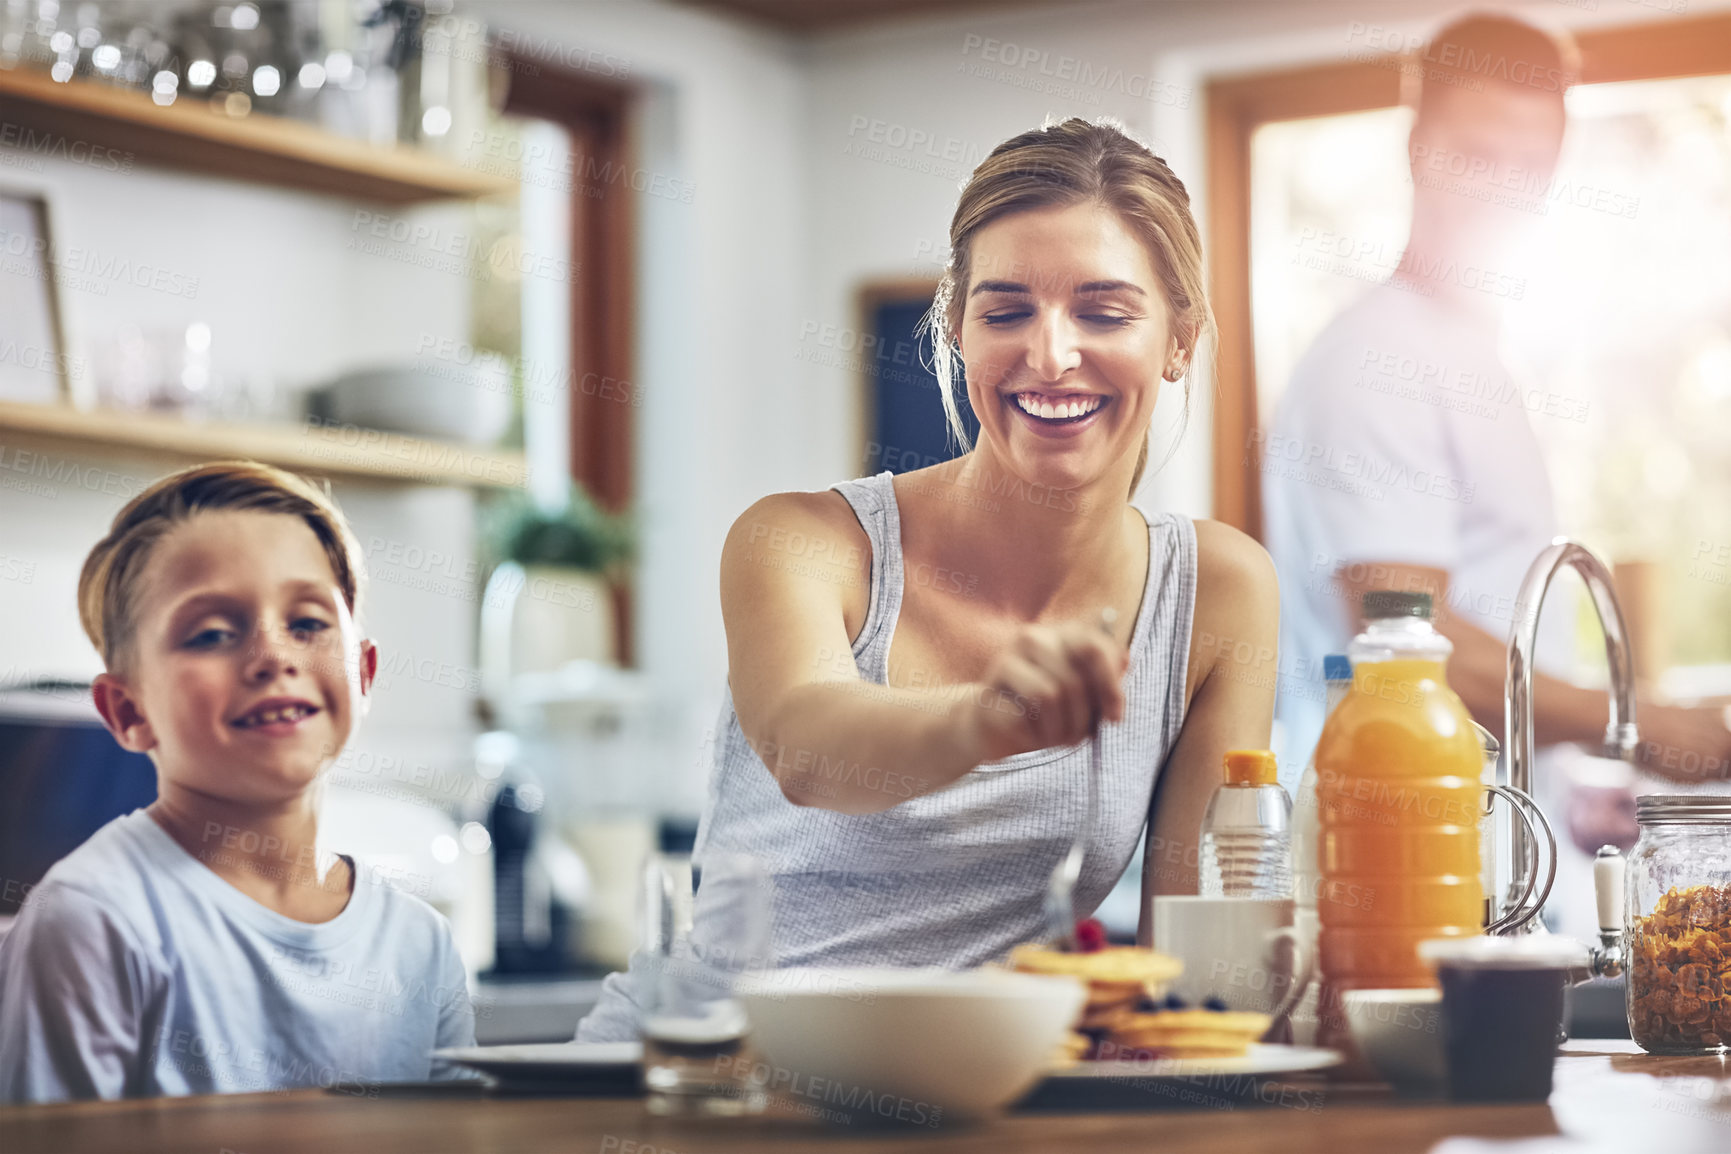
798,549
1230,562
824,522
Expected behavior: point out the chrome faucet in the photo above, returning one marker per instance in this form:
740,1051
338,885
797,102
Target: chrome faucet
1621,737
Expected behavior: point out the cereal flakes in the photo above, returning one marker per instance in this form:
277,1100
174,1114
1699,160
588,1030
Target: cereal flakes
1680,971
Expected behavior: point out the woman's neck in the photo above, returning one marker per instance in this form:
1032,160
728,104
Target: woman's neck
1040,551
268,851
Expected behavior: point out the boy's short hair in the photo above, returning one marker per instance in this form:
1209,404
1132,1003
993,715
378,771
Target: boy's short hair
108,583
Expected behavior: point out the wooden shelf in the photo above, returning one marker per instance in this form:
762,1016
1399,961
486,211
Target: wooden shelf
321,451
189,134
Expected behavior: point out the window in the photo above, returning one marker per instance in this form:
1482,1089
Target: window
1621,333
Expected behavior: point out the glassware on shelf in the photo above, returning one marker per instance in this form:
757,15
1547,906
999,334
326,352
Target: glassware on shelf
343,65
28,34
166,369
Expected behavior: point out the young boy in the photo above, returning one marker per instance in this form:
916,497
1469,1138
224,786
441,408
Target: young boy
203,944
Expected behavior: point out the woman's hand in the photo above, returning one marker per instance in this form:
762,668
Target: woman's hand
1047,688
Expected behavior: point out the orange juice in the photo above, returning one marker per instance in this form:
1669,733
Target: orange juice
1398,803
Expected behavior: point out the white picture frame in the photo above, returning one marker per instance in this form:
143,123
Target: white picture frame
34,367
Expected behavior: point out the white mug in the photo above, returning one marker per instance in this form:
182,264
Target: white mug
1231,950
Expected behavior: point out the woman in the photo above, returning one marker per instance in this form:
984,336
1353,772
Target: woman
916,661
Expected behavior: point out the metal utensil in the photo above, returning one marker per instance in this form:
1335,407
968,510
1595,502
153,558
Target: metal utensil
1061,889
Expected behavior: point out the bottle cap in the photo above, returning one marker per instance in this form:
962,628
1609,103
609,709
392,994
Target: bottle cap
1250,767
1380,603
1336,667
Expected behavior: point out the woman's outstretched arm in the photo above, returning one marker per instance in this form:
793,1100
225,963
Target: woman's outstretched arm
795,589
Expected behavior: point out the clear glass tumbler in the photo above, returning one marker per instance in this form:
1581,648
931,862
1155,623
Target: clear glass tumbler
706,925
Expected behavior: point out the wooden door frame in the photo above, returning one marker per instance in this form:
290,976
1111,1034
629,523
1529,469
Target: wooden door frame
1237,106
597,116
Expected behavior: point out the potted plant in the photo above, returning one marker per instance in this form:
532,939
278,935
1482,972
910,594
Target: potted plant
548,600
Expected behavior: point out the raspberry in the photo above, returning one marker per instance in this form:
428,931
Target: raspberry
1090,936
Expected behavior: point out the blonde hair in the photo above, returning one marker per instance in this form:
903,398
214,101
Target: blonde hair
1075,162
108,585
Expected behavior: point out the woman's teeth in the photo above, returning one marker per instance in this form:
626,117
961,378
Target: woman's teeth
1057,409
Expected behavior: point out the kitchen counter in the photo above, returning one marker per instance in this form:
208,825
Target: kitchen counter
1608,1096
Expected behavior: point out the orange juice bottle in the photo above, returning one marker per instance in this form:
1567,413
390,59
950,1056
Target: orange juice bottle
1398,802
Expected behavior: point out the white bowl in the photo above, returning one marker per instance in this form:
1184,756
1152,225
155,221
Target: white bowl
447,401
1400,1033
909,1046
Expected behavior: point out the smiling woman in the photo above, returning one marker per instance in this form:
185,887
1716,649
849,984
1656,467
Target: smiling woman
1140,211
907,752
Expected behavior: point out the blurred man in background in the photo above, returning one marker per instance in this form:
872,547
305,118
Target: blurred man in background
1429,476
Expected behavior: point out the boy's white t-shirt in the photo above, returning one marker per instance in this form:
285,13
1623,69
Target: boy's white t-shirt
134,970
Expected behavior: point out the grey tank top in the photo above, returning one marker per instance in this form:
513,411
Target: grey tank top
956,877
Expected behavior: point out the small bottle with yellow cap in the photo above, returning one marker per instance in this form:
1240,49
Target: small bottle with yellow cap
1247,831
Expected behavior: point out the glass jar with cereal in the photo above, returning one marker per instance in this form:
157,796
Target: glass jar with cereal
1678,934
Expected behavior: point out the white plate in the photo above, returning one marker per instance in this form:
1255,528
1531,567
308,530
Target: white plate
551,1060
1172,1083
1259,1059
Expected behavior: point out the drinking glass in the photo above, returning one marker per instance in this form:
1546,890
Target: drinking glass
706,926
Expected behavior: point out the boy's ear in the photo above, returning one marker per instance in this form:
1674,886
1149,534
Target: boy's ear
121,713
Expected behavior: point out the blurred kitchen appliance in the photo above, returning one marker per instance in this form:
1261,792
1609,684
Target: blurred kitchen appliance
601,745
530,928
63,777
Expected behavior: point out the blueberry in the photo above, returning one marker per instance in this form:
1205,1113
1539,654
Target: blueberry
1174,1002
1213,1003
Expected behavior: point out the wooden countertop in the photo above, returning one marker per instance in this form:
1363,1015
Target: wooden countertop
1606,1092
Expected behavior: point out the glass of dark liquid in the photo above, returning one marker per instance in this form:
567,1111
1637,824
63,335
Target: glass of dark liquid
1502,1012
706,926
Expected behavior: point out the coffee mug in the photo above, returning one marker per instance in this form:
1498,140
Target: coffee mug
1502,1003
1230,949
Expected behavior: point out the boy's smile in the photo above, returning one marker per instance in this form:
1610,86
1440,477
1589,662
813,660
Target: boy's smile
249,673
276,716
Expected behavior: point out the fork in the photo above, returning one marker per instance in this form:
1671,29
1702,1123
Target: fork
1061,889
